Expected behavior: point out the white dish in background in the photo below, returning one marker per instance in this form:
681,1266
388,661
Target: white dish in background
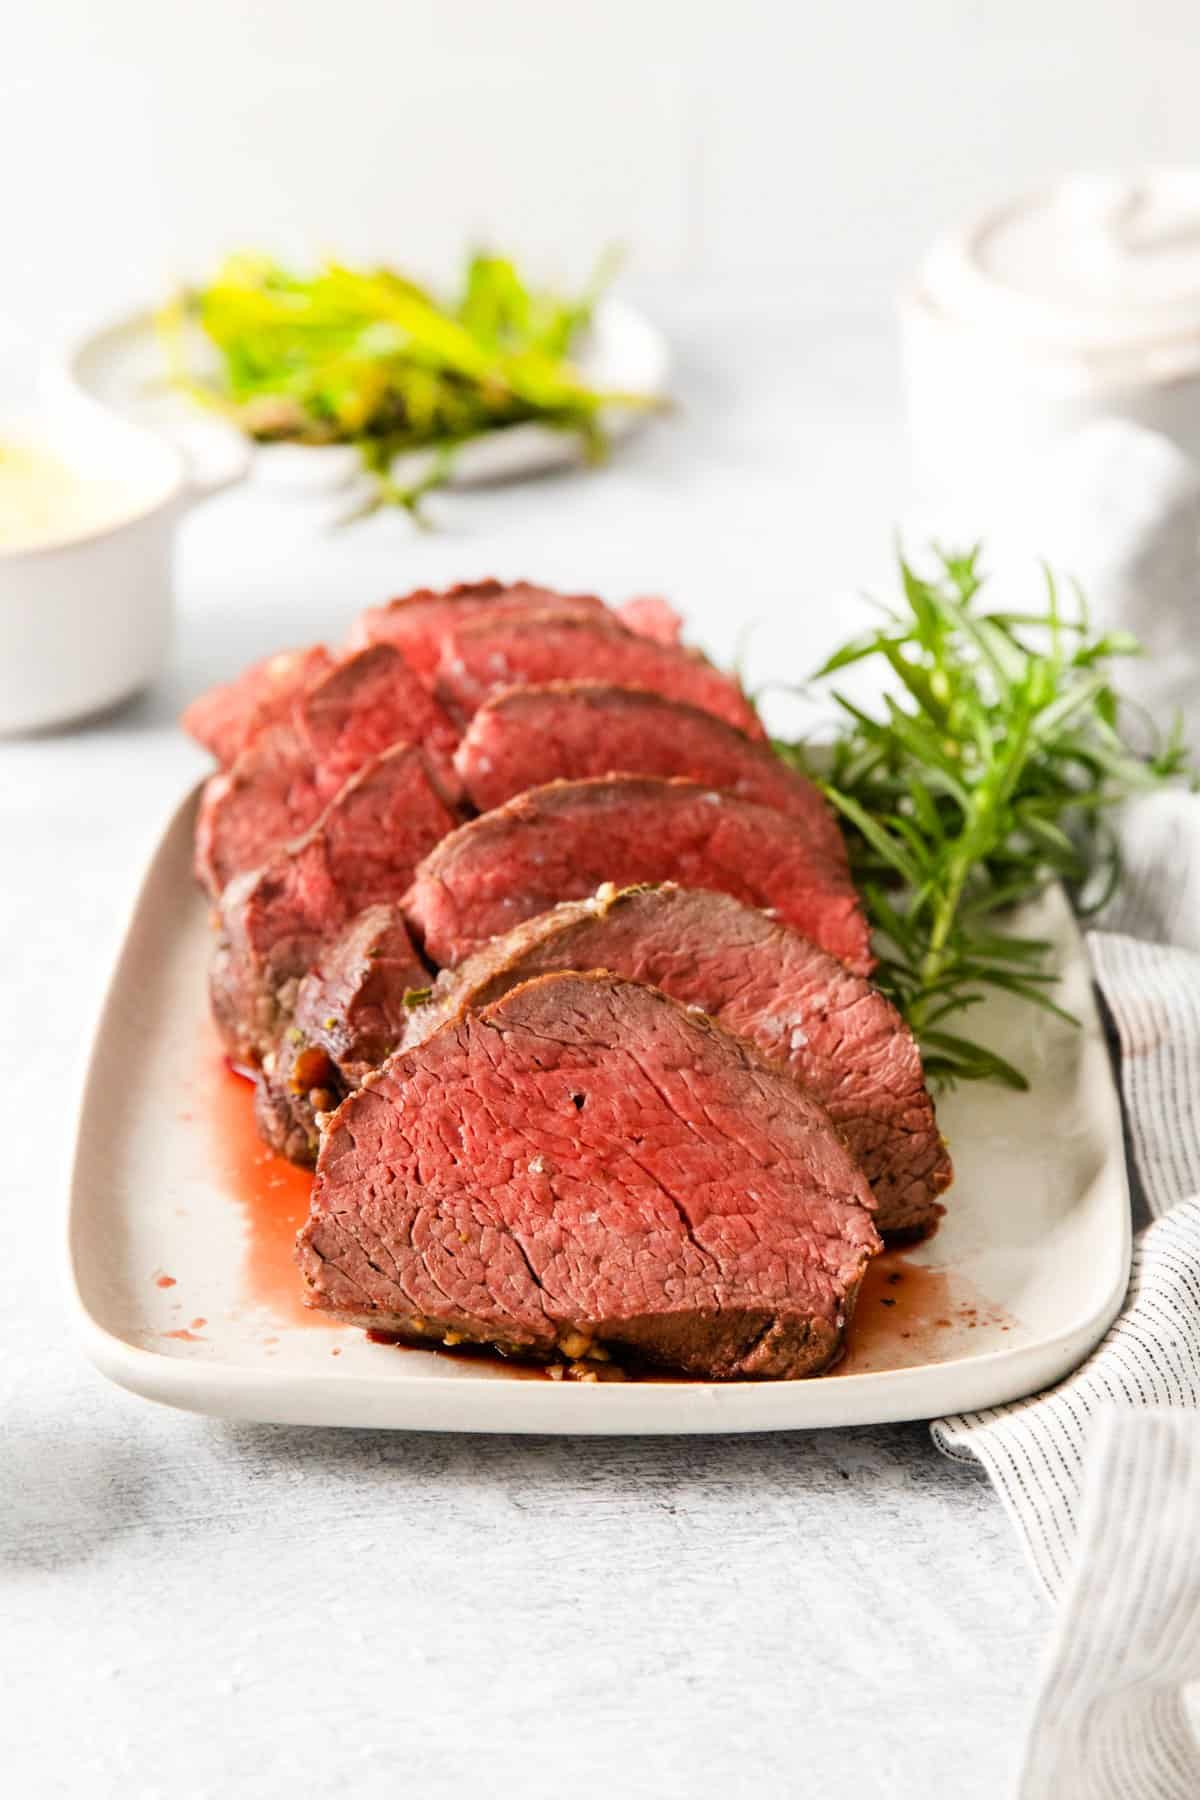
1047,313
122,367
85,614
184,1296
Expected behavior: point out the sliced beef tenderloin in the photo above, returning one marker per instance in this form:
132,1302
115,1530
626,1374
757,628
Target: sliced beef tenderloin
350,1014
228,718
483,655
837,1034
417,624
563,841
572,730
651,616
269,796
369,702
273,921
586,1163
280,782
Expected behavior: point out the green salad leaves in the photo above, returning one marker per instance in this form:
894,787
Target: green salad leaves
368,357
985,776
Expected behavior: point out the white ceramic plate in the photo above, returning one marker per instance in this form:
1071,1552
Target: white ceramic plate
122,367
180,1235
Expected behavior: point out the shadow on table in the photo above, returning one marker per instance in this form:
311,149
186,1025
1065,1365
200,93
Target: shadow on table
69,1487
538,1470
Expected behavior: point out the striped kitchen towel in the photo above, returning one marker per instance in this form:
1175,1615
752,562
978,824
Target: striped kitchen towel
1101,1475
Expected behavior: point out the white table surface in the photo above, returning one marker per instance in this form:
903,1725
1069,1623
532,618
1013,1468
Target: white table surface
191,1608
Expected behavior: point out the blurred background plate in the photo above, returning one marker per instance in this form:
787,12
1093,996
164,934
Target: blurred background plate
122,366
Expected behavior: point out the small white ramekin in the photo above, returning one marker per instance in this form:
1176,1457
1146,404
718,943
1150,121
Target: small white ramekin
85,619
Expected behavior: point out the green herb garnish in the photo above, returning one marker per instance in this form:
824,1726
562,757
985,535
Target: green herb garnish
367,357
984,779
414,997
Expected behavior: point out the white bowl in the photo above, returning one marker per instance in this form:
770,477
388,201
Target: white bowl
1047,314
85,618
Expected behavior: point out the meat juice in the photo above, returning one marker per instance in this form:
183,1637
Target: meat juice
273,1195
908,1314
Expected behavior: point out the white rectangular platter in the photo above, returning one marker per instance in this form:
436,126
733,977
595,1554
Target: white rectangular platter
180,1229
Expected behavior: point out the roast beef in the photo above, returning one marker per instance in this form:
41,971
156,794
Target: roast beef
273,921
652,617
484,654
586,1167
526,736
281,781
417,623
350,1014
563,841
229,717
836,1033
269,796
369,702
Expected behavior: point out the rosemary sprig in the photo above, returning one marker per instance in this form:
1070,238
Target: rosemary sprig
368,357
985,777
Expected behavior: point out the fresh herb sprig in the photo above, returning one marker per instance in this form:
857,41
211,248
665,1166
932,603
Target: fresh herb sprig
368,357
984,777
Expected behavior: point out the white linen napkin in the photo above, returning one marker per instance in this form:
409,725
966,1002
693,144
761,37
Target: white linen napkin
1101,1475
1112,1719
